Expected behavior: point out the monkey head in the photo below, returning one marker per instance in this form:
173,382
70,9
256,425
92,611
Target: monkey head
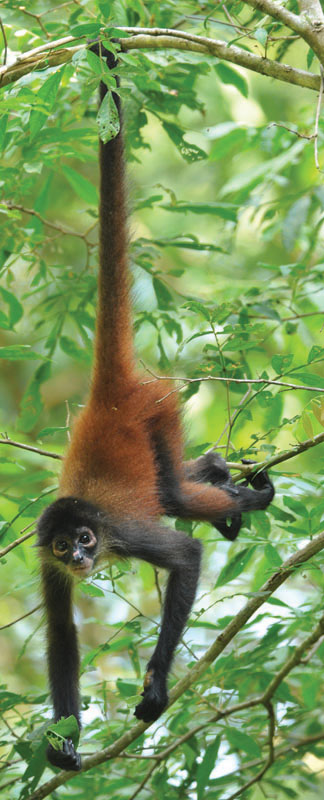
69,534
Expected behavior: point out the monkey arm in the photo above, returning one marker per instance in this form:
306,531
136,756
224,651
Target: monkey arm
63,659
181,556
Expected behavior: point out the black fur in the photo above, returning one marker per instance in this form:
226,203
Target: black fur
209,468
64,516
181,555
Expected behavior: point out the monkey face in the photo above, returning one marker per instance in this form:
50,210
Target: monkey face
69,535
77,552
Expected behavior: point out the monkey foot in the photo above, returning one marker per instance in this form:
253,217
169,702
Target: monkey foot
155,698
67,758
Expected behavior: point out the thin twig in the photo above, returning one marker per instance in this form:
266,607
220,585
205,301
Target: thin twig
68,420
14,621
54,225
37,17
157,585
5,440
296,133
14,544
219,378
146,778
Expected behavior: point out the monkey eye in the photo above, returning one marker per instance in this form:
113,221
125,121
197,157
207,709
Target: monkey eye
60,546
86,536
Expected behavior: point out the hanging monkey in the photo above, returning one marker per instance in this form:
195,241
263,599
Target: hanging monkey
123,470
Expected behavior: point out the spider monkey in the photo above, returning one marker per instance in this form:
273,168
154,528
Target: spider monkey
124,469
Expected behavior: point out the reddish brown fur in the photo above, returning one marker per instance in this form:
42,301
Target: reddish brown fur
111,462
111,459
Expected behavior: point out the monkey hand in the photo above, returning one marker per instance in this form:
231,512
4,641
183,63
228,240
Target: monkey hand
155,697
261,482
67,758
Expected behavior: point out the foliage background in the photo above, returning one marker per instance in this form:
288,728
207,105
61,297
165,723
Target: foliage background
226,252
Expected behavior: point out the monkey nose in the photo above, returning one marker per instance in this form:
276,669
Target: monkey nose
77,558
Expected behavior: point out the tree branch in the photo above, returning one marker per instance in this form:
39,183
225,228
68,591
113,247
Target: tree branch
290,20
245,469
54,225
48,55
225,637
281,457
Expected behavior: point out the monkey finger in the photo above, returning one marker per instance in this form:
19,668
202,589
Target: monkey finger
67,758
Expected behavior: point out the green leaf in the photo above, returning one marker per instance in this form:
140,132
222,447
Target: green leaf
108,119
3,128
310,57
66,728
224,210
163,296
31,404
272,556
296,506
126,688
81,185
47,93
52,431
36,766
315,352
190,152
268,169
86,29
206,766
235,566
71,349
19,352
229,75
261,36
310,379
97,64
281,363
15,308
91,590
307,425
241,741
294,221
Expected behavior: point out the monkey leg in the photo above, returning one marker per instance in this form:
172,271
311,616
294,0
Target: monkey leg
180,555
63,660
212,468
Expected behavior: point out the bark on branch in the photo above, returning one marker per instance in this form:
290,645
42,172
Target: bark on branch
56,53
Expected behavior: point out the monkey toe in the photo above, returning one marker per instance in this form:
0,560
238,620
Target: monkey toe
67,758
155,700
